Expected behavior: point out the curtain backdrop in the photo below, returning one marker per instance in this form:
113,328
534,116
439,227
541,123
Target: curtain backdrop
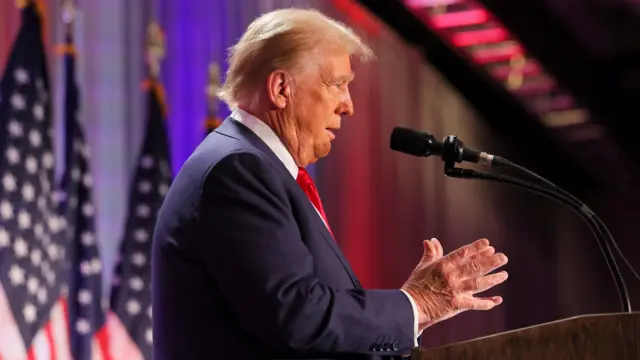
380,204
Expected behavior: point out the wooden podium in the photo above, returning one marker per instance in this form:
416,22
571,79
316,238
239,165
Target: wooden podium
589,337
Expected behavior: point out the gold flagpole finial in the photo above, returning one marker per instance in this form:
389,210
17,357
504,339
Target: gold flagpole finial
212,101
156,48
213,85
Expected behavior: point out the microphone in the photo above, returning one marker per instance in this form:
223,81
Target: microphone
452,150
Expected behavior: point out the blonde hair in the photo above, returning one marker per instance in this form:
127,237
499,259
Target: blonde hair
284,39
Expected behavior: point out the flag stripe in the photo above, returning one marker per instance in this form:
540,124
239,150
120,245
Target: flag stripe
11,343
121,346
102,337
51,341
60,331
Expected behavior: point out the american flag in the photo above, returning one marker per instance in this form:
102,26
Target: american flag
86,314
33,243
131,336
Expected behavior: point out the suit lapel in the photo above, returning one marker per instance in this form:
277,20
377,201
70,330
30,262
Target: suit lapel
239,131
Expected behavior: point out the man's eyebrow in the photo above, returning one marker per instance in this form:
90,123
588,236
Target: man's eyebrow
348,77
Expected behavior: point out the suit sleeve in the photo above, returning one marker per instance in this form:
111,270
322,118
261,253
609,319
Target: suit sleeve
252,247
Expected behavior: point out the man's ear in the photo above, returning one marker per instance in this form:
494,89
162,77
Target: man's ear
279,88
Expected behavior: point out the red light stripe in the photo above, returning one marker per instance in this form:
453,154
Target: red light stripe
461,18
477,37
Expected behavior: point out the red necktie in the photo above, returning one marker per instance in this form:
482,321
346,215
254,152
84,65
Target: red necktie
306,183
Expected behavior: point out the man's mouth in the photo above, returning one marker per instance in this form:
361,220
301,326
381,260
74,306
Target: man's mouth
331,133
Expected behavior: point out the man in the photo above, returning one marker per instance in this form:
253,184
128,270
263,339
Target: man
244,262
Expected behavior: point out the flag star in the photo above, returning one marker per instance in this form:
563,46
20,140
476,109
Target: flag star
84,150
84,297
87,238
31,164
38,229
24,219
47,160
13,155
4,238
44,182
36,257
29,311
53,252
42,202
18,102
9,182
38,112
85,268
35,139
28,192
75,174
44,267
149,312
133,307
21,76
83,326
87,180
87,209
6,210
143,210
163,189
42,295
73,202
138,259
32,285
50,276
54,224
136,283
144,187
148,336
20,248
96,265
15,129
16,274
146,162
140,235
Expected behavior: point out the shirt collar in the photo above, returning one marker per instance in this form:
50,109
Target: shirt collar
268,136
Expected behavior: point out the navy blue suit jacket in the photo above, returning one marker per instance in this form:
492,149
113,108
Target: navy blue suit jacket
244,268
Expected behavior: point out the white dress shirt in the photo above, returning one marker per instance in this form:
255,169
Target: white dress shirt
269,137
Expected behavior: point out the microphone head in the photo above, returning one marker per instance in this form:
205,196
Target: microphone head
414,142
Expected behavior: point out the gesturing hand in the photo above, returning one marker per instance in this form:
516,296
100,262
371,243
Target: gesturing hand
443,287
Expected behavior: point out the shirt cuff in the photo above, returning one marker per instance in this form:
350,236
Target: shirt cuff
415,318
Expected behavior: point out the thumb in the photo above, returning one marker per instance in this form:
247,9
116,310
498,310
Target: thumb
430,252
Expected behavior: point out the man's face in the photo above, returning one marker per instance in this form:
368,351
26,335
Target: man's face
321,98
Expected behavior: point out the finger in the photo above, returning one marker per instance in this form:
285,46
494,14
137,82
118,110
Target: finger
438,246
480,284
485,303
430,252
460,255
481,263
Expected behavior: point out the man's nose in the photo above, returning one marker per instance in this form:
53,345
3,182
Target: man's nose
346,106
